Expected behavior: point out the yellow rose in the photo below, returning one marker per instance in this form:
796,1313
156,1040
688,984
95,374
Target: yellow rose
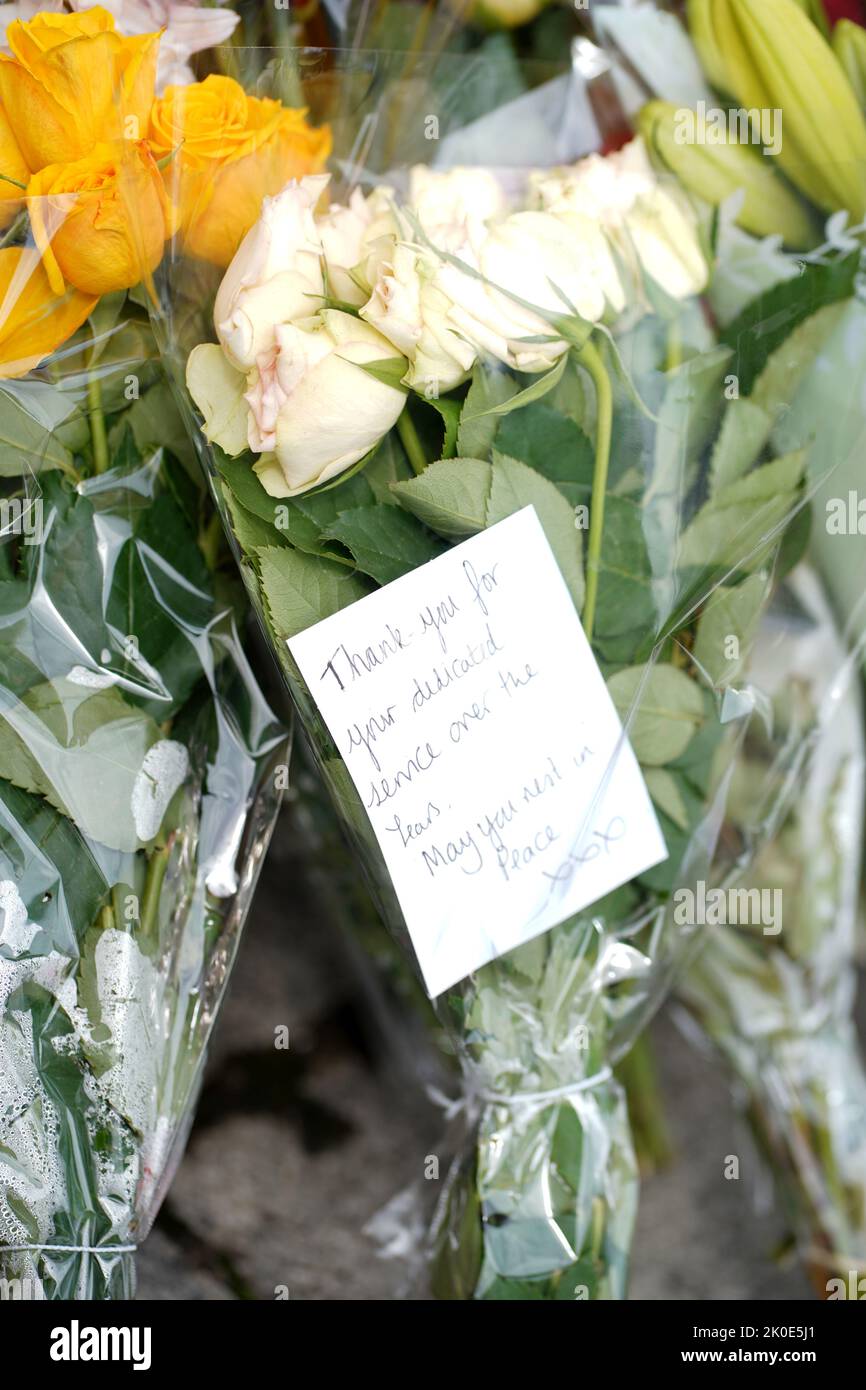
12,164
33,320
232,152
100,222
73,81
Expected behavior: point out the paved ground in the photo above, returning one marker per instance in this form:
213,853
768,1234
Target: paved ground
293,1151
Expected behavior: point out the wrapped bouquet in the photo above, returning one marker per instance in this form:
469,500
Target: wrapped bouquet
505,506
789,156
138,758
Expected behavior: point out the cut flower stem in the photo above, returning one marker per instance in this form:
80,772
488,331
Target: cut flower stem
590,358
411,442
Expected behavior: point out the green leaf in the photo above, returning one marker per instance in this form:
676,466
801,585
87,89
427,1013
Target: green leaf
30,413
69,565
156,422
299,520
666,792
730,612
745,430
389,370
161,591
384,541
661,709
490,386
86,750
450,413
739,524
301,589
534,392
552,444
687,418
54,869
767,321
450,496
625,596
250,531
103,322
516,486
778,385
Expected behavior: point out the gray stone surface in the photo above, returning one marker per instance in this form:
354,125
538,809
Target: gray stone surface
293,1152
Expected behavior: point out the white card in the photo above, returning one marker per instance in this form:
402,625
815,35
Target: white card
478,730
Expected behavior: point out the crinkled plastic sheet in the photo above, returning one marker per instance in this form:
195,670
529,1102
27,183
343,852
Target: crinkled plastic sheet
137,798
701,522
778,1004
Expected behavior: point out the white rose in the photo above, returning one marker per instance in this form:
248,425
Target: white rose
651,226
557,264
448,204
218,390
411,311
314,407
353,237
275,276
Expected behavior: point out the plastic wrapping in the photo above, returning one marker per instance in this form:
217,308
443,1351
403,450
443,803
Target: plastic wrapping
779,1007
616,405
137,798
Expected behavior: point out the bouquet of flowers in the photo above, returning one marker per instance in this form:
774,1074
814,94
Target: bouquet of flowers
790,155
778,1005
392,383
140,765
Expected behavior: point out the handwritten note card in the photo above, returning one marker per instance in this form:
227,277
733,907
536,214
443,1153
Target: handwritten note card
478,730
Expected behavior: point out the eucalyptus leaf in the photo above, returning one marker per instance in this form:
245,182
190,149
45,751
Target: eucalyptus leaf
661,708
667,794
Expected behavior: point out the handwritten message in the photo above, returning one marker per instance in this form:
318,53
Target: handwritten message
477,728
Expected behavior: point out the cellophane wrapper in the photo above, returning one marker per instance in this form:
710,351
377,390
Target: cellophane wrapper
137,799
778,1005
702,520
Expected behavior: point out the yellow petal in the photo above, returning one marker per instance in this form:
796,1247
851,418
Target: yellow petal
33,320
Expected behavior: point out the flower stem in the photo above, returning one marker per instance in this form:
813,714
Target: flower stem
590,358
98,436
152,889
674,347
411,443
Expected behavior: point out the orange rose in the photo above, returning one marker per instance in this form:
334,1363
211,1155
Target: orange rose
33,319
232,152
73,81
101,222
12,164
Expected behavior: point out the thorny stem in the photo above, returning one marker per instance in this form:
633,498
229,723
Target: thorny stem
590,358
411,443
